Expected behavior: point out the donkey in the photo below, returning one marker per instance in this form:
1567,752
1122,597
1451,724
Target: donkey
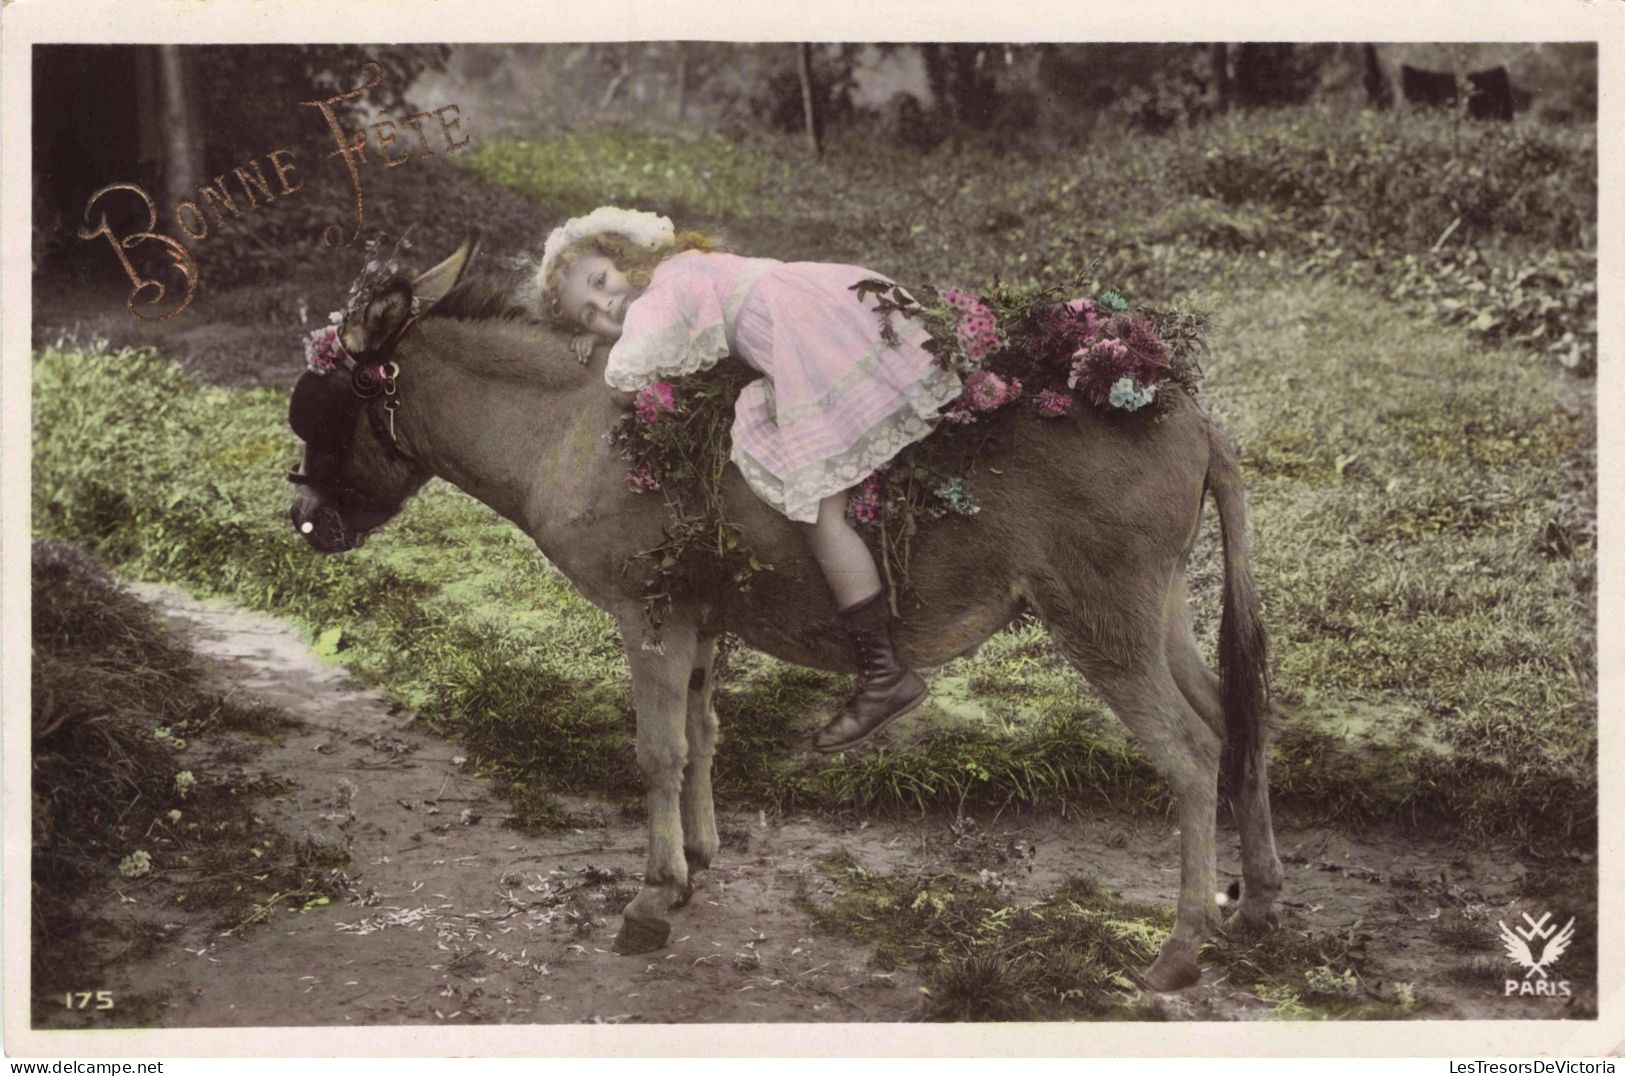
1087,524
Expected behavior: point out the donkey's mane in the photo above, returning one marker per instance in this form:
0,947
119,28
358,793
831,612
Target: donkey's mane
515,343
485,299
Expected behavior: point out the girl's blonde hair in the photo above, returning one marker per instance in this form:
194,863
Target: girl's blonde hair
634,260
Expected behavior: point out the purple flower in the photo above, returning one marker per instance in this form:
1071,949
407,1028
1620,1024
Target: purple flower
655,400
1052,404
1102,362
322,350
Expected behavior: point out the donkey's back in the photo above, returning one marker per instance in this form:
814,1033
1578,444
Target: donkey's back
1093,513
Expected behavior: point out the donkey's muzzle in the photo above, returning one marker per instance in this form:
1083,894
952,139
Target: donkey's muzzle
321,525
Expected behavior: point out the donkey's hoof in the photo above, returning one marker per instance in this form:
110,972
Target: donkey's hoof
685,894
1174,969
1245,921
697,860
640,934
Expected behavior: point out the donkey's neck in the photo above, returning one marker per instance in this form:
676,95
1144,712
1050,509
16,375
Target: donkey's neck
501,409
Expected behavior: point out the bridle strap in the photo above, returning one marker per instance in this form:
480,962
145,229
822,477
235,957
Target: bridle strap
383,425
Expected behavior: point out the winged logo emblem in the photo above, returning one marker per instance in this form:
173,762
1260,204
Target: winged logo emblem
1517,942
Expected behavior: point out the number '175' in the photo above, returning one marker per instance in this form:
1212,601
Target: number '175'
81,999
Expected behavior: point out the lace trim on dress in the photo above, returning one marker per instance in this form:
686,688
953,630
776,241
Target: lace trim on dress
797,495
670,353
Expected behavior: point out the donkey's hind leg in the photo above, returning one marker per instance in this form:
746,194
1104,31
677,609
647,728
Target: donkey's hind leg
700,840
1260,865
660,695
1136,682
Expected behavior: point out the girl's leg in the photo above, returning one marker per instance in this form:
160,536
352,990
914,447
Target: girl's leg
887,689
842,555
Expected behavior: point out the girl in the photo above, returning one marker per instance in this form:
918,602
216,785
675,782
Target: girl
835,402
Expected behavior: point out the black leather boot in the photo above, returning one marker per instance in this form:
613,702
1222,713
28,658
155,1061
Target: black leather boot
887,689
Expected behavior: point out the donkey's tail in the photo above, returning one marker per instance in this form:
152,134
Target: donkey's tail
1243,648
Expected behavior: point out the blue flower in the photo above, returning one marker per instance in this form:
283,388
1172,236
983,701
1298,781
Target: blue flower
1126,397
957,497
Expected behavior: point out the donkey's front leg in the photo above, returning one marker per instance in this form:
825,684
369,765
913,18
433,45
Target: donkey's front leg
660,694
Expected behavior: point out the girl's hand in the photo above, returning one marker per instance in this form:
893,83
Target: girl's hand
582,344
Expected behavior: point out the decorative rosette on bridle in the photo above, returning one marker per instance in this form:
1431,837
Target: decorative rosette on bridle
369,380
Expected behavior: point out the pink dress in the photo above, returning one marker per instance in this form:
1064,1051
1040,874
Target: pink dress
835,401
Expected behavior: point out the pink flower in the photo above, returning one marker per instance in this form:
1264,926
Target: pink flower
655,400
1052,404
865,503
642,480
987,391
959,416
322,349
977,330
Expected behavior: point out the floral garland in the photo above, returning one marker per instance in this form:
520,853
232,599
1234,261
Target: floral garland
1015,350
676,439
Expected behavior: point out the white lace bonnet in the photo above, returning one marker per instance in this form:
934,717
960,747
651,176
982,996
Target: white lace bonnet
645,229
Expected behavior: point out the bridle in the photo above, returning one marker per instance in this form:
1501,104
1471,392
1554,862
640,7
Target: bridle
376,377
388,375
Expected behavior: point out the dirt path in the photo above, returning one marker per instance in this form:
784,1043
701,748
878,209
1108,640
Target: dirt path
458,919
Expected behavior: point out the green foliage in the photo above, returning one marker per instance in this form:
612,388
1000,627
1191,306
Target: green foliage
1546,303
575,171
1399,180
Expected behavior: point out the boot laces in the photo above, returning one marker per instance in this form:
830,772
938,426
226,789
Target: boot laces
868,653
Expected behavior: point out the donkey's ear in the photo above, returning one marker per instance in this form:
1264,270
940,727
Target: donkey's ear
433,285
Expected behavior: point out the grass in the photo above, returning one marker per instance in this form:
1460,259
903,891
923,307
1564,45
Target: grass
122,800
1074,953
1422,504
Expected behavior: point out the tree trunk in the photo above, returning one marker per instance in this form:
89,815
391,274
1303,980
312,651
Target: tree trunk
1221,76
809,100
682,82
182,138
1379,91
619,80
